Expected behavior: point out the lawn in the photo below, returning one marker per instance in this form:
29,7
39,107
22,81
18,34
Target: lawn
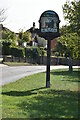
29,98
17,63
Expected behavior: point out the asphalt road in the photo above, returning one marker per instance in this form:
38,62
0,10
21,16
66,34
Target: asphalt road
11,74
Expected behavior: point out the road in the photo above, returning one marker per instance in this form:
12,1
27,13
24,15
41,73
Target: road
11,74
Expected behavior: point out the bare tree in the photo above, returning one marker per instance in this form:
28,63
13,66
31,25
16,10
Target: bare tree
2,15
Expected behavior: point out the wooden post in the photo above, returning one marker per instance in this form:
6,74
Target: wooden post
48,63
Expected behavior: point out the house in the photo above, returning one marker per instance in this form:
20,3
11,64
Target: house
39,41
53,43
36,40
4,28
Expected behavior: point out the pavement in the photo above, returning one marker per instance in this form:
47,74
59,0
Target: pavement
10,74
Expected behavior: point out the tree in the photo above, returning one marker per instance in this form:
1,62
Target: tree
70,33
27,36
24,37
2,15
68,45
8,36
72,15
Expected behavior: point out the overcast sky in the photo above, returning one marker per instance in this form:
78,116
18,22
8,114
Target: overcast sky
22,13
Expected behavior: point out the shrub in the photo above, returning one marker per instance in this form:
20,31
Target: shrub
6,48
33,52
42,51
17,52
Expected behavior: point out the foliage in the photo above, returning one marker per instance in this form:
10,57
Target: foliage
24,37
17,52
6,48
8,40
68,43
72,15
27,36
8,36
33,52
42,51
14,51
4,35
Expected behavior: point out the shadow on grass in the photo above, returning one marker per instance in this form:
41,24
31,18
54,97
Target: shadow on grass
48,103
74,74
63,72
54,104
22,93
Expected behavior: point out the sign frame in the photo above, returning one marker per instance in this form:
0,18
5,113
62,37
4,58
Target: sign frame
49,24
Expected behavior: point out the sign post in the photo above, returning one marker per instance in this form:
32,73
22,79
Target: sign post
49,29
48,63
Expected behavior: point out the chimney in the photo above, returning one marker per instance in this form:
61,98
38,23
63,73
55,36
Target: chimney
1,26
33,25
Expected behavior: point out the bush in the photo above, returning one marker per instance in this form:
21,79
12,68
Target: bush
17,52
33,52
42,51
6,48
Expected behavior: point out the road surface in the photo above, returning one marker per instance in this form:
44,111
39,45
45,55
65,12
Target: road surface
11,74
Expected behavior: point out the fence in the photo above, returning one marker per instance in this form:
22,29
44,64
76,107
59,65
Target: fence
42,60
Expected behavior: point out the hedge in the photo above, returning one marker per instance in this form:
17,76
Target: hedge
17,52
29,52
6,48
33,52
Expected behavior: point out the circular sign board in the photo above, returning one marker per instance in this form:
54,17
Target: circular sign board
49,25
49,22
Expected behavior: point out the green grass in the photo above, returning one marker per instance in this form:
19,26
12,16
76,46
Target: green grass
29,98
17,64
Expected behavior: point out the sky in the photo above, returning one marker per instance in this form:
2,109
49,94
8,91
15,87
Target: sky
20,14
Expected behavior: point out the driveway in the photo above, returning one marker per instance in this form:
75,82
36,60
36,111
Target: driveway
11,74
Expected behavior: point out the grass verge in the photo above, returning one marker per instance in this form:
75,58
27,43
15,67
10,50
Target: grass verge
17,64
29,98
